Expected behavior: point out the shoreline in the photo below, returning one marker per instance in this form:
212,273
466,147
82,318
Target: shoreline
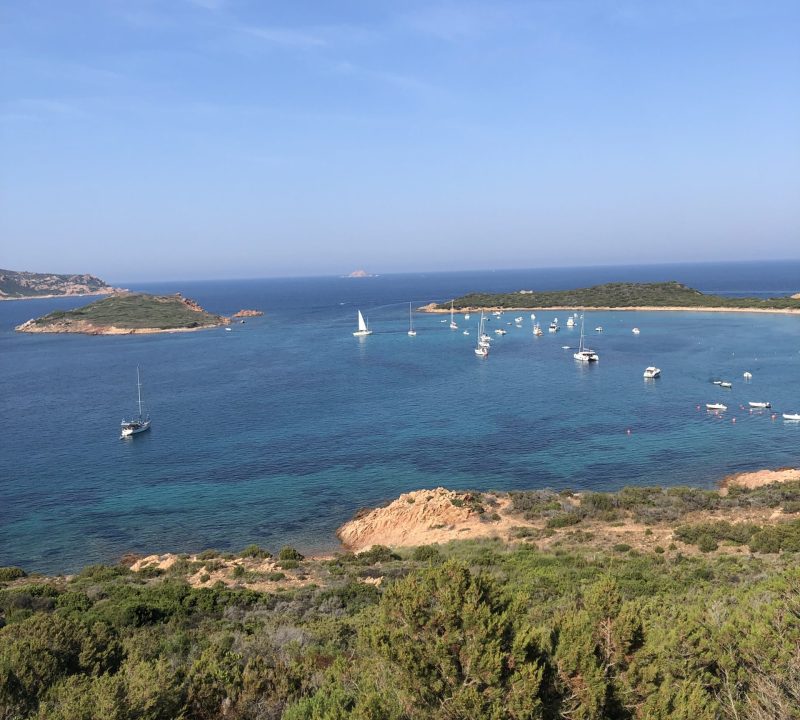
435,310
112,330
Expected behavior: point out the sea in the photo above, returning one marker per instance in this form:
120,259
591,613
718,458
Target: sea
278,431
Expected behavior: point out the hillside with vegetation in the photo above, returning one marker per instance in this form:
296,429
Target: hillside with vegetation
704,627
19,285
127,313
618,295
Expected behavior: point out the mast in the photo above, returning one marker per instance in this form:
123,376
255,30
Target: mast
410,318
452,319
139,390
580,349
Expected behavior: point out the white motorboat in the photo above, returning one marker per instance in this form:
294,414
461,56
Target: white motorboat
537,330
500,331
725,384
363,330
553,326
411,331
652,373
466,316
518,319
466,332
570,321
760,405
584,354
635,331
599,328
716,406
533,316
791,416
140,423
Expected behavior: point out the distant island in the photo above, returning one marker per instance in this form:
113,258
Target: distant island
16,285
360,274
128,313
619,296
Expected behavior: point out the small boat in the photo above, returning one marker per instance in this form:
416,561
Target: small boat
227,330
518,319
466,332
466,316
140,423
453,325
570,322
760,404
599,328
716,406
537,330
584,354
652,372
791,416
411,331
565,347
363,330
482,348
726,385
748,376
533,316
241,322
635,331
497,313
500,331
716,382
553,326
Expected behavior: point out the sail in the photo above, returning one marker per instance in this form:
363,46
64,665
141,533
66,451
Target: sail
362,326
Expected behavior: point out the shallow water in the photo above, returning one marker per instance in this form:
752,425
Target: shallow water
278,431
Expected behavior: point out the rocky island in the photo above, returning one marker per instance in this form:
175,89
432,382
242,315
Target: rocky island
16,285
128,313
619,296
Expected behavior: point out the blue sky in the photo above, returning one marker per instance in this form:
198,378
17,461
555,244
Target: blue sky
150,139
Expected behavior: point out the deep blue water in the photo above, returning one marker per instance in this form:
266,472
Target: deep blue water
278,431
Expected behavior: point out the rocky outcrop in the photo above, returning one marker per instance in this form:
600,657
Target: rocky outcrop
248,313
16,285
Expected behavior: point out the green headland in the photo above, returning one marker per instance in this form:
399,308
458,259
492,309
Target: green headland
620,296
128,313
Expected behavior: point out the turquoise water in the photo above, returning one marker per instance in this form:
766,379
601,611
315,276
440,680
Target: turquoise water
278,431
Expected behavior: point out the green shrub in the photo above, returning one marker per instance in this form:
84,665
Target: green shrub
238,571
707,543
658,549
205,577
255,551
287,552
11,573
275,576
563,520
288,564
209,554
377,553
426,553
621,547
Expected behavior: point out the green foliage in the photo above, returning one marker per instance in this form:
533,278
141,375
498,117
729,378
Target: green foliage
7,574
289,553
427,553
774,538
563,520
255,551
619,294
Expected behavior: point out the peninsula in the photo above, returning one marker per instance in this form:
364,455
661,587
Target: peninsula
619,296
128,313
16,285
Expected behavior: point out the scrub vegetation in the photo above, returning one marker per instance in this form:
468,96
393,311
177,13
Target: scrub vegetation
468,629
620,295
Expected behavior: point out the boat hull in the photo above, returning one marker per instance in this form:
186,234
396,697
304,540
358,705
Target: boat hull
130,431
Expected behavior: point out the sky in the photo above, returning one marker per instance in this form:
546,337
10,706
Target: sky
189,139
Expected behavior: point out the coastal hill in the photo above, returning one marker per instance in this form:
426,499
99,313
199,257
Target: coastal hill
643,604
16,285
618,296
128,313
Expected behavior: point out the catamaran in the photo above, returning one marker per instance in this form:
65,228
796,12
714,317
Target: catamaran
141,422
453,325
362,327
411,330
584,354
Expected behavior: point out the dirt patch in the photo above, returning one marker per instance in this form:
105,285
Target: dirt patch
751,480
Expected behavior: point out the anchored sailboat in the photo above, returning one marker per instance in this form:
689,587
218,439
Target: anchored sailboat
411,331
482,348
362,327
453,325
140,423
584,354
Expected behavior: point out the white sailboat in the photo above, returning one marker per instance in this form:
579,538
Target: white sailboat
411,331
482,348
584,354
453,325
363,330
140,423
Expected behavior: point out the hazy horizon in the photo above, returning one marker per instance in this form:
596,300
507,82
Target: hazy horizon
225,138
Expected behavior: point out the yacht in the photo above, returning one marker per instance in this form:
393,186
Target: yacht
141,422
652,372
584,354
716,406
599,328
482,348
635,331
553,326
411,331
791,416
726,385
363,330
570,321
760,405
537,330
500,331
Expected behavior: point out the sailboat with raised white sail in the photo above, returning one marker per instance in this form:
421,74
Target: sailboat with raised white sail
584,354
411,331
453,325
363,330
139,424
